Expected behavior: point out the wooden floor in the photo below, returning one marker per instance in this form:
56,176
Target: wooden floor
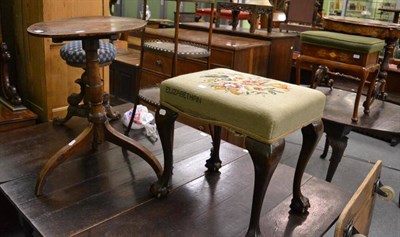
106,193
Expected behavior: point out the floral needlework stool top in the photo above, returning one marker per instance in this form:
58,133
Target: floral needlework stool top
238,84
262,108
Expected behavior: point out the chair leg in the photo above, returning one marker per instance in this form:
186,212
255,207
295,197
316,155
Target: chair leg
128,129
265,159
299,60
165,120
214,163
361,84
371,88
311,135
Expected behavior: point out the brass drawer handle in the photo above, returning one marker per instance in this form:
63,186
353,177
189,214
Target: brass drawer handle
159,62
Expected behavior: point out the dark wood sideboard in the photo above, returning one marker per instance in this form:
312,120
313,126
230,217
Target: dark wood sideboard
269,56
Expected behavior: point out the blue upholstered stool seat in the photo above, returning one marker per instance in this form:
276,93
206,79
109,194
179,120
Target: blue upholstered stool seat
74,54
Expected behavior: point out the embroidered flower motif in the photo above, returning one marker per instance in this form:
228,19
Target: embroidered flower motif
236,84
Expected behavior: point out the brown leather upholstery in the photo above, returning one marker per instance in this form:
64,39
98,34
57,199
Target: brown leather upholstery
301,15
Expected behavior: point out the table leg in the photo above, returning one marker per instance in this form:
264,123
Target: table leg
253,20
337,139
218,16
235,19
80,144
119,139
389,48
396,17
99,128
270,19
74,106
102,129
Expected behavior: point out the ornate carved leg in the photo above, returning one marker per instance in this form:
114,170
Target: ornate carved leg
337,135
361,84
253,21
326,148
9,92
311,135
81,143
165,120
265,159
371,88
197,19
217,16
214,163
235,19
389,48
113,115
319,76
270,20
74,109
125,142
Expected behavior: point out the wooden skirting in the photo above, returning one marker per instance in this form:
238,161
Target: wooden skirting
10,120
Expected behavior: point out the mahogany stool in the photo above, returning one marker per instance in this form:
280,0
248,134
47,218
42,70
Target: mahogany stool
263,110
75,56
350,56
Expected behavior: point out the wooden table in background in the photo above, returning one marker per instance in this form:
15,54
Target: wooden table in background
396,12
387,31
383,118
254,12
90,30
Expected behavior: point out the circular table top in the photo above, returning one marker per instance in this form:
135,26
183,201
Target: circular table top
81,27
389,9
361,26
362,21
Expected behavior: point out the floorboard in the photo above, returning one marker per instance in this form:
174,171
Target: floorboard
107,192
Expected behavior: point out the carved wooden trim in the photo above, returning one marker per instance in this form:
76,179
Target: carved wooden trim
8,92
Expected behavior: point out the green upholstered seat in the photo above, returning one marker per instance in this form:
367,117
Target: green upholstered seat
262,108
353,43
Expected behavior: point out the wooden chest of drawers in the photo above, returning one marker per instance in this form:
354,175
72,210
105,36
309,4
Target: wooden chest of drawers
269,57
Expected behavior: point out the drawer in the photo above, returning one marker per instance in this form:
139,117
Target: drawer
338,55
150,78
156,62
187,66
222,58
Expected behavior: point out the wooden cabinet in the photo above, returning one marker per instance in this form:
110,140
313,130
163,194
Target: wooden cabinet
44,80
123,72
268,57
